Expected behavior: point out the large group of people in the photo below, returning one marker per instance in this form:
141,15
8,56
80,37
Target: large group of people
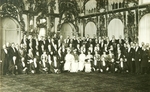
57,55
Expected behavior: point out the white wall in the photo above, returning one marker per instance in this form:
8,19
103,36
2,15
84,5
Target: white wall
115,28
11,30
144,29
67,29
90,29
144,2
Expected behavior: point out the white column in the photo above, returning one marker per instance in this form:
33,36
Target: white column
35,25
25,21
56,24
56,10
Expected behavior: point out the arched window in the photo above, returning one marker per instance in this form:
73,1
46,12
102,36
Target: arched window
115,28
144,29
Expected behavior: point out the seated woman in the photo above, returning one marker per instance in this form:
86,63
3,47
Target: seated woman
22,68
74,64
89,60
43,63
55,65
82,58
68,60
31,64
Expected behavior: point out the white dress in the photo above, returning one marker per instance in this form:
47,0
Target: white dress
69,58
74,64
82,58
88,63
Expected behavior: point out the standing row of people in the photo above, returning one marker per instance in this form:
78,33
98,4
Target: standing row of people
57,55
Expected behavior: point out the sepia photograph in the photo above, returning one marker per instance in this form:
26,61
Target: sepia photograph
74,45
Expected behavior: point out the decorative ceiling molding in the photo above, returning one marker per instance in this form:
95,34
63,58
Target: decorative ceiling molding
69,6
115,15
143,12
10,10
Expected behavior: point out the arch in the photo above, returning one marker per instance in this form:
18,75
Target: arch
90,6
11,30
67,29
90,29
144,29
115,28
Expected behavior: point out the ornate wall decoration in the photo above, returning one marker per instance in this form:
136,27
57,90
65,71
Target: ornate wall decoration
41,21
90,19
143,12
115,15
69,12
65,5
131,3
10,10
131,25
51,6
102,28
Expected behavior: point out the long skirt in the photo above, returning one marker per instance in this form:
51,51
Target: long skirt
67,66
87,67
74,67
81,66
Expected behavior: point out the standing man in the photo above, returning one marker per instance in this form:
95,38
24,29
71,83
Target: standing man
5,58
137,59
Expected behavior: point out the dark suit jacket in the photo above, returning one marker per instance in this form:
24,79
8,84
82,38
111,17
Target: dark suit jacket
130,55
4,56
138,54
20,67
13,53
144,62
119,57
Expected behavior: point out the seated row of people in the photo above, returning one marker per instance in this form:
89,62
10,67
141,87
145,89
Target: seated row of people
96,55
73,62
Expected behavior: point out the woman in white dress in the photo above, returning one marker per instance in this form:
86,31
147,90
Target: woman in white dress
69,58
89,59
74,65
82,58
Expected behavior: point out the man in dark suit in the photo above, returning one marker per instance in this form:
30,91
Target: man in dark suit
60,59
137,59
13,65
13,51
119,62
120,41
144,60
74,43
59,44
24,40
22,68
5,60
130,58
